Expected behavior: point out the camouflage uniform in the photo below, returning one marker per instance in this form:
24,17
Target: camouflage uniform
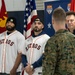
59,56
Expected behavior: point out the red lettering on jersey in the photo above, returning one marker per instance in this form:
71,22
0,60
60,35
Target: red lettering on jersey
7,42
33,46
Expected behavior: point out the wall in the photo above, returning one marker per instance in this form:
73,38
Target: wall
19,5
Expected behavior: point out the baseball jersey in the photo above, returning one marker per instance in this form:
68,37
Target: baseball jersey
34,48
10,46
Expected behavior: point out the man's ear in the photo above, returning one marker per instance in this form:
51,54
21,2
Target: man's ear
43,26
52,21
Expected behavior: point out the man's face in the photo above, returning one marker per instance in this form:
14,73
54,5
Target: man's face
37,26
70,21
10,26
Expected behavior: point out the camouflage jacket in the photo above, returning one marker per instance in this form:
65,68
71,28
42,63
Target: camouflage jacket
59,56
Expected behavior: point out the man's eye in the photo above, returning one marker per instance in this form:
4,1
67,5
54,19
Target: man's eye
39,23
71,20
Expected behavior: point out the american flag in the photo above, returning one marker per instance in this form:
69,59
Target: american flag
29,16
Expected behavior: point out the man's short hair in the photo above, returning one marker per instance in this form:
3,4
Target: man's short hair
70,13
59,14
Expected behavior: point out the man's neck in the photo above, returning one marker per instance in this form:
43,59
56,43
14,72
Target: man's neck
71,30
9,32
37,33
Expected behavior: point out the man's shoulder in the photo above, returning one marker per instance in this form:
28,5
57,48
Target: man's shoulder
19,34
3,33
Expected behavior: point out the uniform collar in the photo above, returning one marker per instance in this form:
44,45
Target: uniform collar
61,31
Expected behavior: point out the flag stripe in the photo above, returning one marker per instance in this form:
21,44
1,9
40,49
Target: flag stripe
28,26
28,33
33,18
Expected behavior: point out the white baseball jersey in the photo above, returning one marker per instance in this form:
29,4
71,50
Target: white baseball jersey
10,45
34,49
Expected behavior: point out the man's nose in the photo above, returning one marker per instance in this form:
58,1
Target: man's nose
69,22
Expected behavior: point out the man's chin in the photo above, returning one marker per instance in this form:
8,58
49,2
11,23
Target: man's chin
35,30
10,29
72,28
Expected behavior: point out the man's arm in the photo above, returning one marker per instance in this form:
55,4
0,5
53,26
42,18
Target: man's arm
24,60
16,64
50,58
38,63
